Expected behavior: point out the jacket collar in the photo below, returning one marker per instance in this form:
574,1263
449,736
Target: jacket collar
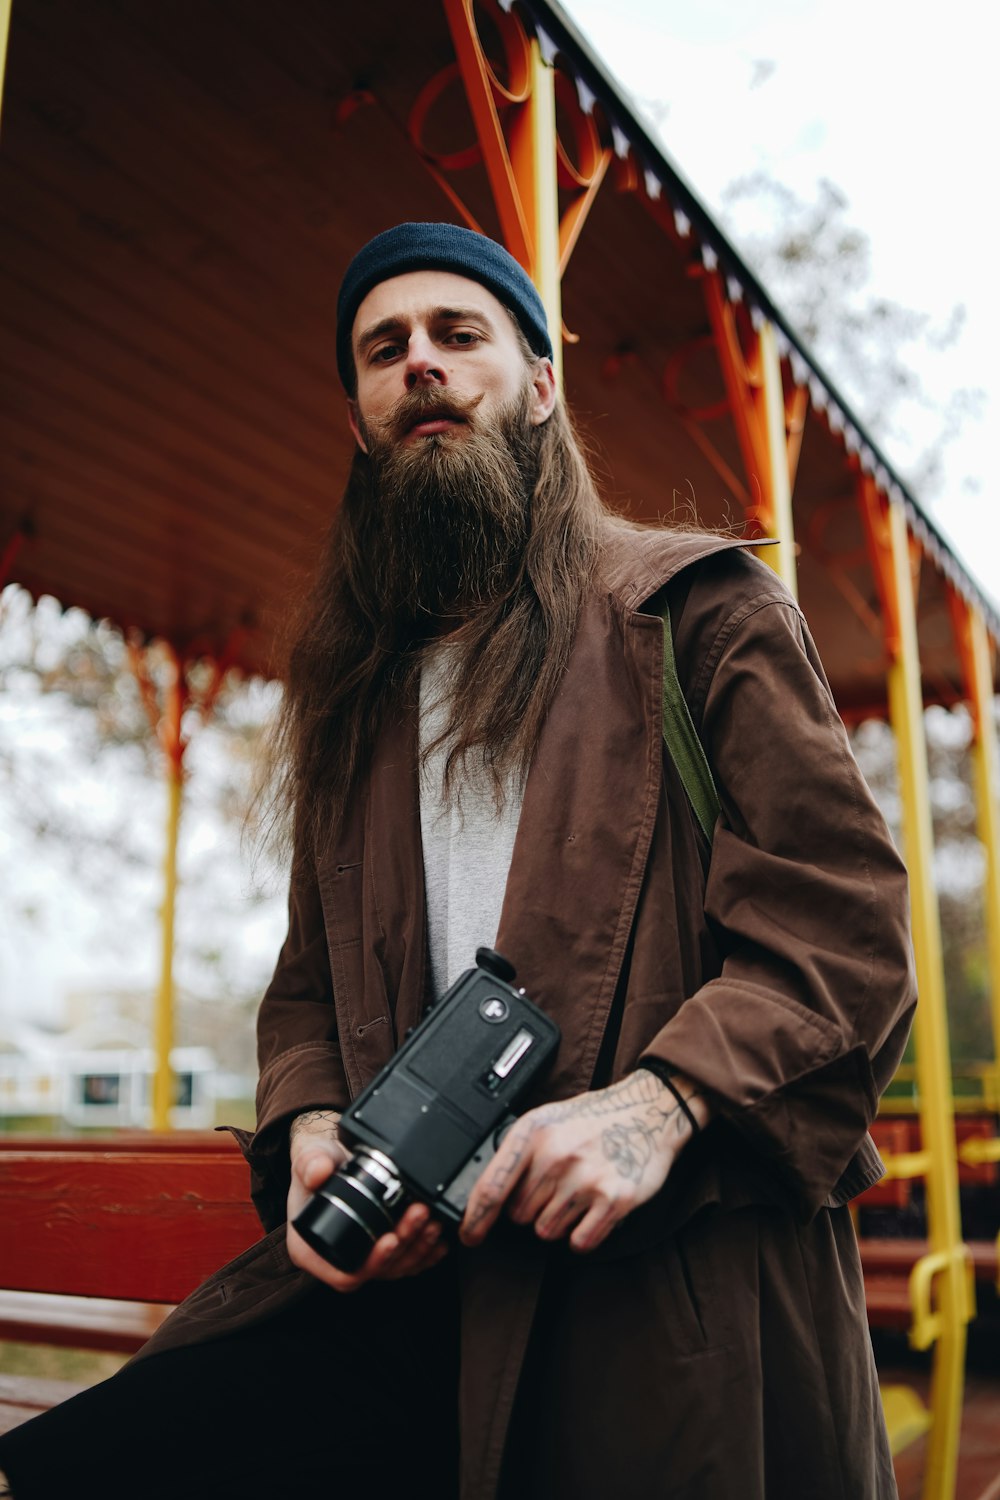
636,562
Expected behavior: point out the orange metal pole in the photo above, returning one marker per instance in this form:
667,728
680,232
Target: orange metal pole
755,391
575,216
478,88
736,375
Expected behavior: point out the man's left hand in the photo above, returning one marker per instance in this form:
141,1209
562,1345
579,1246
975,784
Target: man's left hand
579,1166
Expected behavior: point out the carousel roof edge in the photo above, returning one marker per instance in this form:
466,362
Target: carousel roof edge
558,34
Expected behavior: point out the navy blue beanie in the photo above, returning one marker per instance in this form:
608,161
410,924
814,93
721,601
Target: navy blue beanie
437,247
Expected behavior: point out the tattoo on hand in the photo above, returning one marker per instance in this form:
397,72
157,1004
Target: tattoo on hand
651,1116
629,1148
506,1172
629,1144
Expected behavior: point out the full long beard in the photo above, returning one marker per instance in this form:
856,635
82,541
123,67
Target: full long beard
448,516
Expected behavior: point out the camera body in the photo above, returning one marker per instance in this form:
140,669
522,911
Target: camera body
426,1126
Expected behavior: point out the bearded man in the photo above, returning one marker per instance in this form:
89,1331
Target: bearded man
657,1289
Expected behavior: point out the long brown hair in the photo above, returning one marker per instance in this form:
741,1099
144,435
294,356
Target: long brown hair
351,663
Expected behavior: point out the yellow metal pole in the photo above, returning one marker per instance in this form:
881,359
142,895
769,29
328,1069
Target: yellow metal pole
933,1055
4,34
545,195
163,1078
781,557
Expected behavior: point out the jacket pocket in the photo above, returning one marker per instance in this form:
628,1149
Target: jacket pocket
682,1287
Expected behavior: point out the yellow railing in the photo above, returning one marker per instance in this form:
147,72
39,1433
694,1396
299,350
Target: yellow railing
975,1090
928,1321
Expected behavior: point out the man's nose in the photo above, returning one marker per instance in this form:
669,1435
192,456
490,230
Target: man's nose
423,363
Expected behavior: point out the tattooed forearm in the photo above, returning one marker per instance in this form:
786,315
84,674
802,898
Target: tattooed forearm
314,1121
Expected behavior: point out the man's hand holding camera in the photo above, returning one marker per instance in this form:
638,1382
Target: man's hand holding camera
415,1244
578,1167
574,1168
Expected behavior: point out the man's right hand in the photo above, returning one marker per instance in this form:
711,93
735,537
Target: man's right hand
414,1246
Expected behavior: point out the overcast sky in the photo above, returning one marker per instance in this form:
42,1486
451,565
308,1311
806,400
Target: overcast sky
896,103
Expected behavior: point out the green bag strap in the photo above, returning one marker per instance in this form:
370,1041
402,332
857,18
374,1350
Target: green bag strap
682,740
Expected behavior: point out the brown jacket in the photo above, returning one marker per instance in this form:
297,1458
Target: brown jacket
774,969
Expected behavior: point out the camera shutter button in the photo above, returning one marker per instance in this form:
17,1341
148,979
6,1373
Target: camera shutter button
494,963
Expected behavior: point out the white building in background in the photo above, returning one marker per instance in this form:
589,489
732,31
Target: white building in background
99,1075
96,1071
115,1089
30,1072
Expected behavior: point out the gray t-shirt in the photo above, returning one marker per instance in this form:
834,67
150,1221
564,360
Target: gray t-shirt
467,844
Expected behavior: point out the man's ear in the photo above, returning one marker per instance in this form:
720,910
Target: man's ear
543,383
352,418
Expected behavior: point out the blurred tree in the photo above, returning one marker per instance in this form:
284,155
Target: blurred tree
817,265
82,811
959,865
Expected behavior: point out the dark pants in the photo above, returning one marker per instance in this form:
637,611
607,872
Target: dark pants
337,1396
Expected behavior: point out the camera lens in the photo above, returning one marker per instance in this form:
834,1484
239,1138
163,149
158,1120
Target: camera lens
357,1204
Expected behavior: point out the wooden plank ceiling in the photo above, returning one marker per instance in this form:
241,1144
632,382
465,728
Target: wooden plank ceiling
181,188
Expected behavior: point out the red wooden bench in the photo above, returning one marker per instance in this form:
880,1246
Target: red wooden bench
99,1238
900,1134
887,1263
892,1137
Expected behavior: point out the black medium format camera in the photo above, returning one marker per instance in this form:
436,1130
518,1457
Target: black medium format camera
424,1129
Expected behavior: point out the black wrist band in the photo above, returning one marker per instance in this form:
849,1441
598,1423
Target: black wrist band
663,1072
695,1127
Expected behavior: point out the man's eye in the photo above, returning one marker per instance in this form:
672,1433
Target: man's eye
384,353
461,336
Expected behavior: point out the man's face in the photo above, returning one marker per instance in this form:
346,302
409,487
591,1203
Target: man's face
448,411
434,354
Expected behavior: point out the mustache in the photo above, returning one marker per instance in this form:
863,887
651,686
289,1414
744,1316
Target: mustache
424,404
